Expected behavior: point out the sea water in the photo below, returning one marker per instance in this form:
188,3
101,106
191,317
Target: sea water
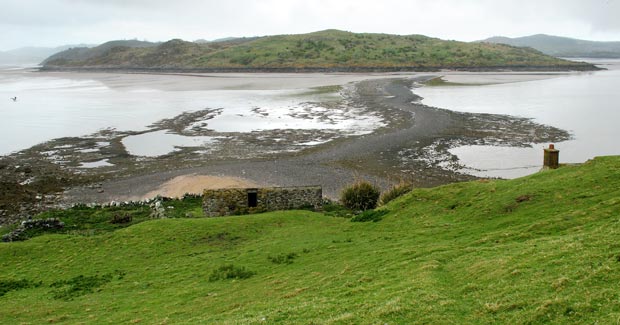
53,105
585,104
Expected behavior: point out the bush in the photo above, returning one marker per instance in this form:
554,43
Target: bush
230,271
395,191
360,196
335,209
14,285
121,218
370,215
283,258
81,285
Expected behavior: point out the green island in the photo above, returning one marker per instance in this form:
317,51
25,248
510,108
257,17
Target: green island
329,50
538,249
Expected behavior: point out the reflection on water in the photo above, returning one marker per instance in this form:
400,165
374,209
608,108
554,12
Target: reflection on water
294,116
482,161
587,105
158,143
51,107
95,164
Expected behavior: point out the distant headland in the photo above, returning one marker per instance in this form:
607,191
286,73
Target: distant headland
323,51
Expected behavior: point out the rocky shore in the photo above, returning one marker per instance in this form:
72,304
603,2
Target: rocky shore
412,145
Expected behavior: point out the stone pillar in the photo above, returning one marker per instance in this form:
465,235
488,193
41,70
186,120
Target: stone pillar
552,158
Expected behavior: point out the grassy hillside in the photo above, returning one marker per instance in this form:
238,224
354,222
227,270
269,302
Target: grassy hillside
540,249
88,53
330,49
563,46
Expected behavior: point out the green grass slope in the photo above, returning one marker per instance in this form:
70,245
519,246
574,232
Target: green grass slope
540,249
85,53
328,50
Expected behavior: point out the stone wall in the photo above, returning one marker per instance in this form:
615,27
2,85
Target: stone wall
42,224
225,202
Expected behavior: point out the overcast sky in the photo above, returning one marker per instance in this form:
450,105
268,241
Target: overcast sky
59,22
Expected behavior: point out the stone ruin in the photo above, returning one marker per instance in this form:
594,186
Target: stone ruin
236,201
19,233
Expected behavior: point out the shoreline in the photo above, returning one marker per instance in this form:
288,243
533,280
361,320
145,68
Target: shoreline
413,146
398,153
334,69
278,80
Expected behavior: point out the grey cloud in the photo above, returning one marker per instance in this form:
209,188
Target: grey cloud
58,22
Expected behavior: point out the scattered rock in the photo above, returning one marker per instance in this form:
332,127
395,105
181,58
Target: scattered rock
523,198
44,224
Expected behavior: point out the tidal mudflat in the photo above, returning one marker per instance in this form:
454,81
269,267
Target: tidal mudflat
135,132
57,105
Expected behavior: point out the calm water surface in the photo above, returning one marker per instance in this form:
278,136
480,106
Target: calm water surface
587,105
50,106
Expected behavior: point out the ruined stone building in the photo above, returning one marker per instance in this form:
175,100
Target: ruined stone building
224,202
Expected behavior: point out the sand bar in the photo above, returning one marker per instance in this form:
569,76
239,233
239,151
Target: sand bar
484,78
195,184
270,81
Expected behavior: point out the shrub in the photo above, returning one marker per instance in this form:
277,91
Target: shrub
360,196
230,271
335,209
395,191
283,258
121,218
81,285
370,215
14,285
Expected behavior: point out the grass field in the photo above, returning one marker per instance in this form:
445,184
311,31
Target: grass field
539,249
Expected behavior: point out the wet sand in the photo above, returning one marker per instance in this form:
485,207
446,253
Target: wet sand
195,184
487,78
414,147
214,81
272,81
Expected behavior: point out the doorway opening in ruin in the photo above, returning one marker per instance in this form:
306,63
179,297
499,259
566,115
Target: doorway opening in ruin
252,199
